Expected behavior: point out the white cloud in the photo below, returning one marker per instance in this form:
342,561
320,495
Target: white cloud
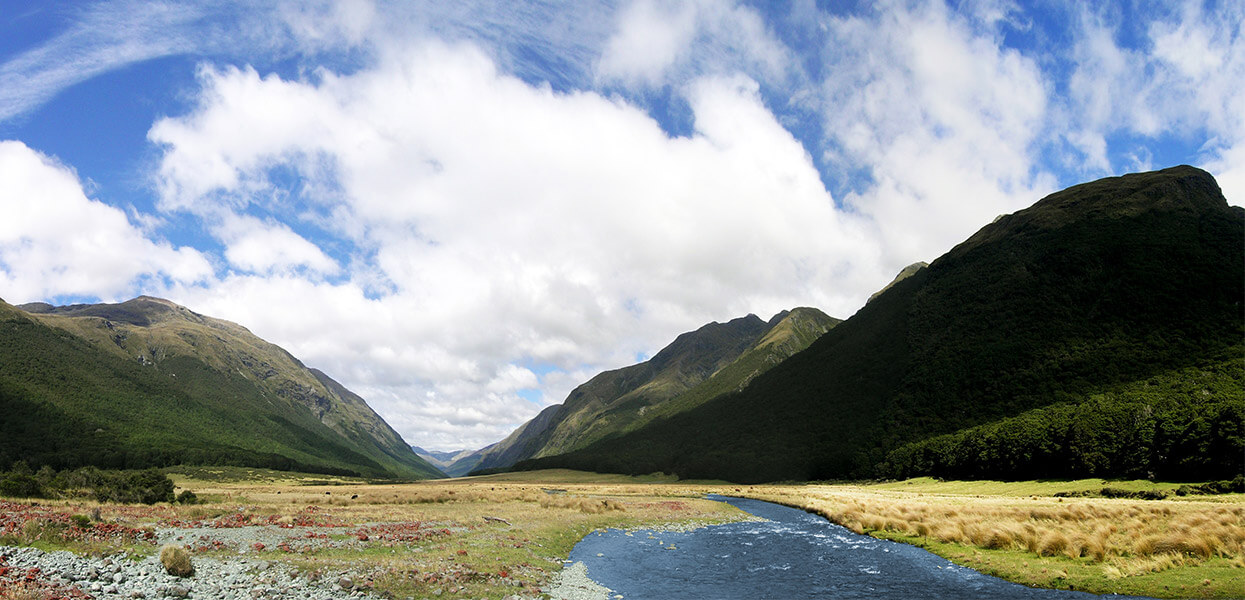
1182,82
55,241
103,38
510,223
673,42
256,246
649,40
945,121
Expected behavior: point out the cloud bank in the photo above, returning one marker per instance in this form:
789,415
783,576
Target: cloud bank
462,211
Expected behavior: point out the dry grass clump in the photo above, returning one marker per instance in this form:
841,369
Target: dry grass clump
176,561
590,506
1053,543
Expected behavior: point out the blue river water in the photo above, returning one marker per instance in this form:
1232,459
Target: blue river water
792,555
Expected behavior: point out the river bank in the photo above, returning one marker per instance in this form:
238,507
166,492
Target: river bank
278,535
1179,547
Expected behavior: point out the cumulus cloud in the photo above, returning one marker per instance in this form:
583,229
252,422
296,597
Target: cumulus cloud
657,43
55,241
508,222
256,246
1181,82
944,119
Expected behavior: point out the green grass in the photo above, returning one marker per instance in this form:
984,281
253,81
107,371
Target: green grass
568,476
1214,578
929,485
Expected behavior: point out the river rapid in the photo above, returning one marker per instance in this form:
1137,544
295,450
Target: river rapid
790,555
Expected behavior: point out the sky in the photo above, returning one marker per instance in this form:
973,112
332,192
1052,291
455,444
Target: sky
462,210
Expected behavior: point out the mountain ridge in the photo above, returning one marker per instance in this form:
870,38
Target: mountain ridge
1091,288
203,360
619,400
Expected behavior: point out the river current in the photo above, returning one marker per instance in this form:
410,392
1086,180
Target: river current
791,555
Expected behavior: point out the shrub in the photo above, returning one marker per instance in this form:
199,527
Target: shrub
176,561
187,497
20,485
146,487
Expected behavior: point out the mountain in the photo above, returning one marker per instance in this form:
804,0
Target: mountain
697,366
1098,332
456,463
148,382
907,272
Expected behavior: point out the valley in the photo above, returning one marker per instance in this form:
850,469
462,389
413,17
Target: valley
1058,401
507,536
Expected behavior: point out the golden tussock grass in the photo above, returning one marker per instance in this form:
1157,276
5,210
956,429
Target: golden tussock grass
1123,537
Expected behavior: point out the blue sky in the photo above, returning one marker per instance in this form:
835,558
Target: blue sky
461,210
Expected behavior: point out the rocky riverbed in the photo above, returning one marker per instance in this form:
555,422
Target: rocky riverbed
69,575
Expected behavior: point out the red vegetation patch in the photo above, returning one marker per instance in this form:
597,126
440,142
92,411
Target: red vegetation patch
405,532
14,516
312,516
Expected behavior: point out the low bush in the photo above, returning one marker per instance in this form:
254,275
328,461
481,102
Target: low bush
131,487
1226,486
20,485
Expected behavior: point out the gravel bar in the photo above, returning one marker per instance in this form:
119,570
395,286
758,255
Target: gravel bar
121,578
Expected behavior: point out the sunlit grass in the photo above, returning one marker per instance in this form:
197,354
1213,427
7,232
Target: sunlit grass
1020,532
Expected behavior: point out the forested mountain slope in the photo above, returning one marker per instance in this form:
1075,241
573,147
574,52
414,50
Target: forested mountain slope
697,366
1090,295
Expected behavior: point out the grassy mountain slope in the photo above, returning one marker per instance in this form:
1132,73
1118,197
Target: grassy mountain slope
717,358
793,332
1088,291
905,273
147,382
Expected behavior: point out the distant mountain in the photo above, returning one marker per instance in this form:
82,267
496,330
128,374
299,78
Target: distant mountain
148,382
456,463
1097,333
436,457
697,366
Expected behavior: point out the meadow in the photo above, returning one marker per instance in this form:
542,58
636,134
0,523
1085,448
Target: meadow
486,537
494,536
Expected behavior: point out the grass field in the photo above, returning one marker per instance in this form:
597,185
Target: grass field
498,535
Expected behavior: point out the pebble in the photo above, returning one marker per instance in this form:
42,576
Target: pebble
573,583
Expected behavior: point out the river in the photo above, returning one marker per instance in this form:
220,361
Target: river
791,555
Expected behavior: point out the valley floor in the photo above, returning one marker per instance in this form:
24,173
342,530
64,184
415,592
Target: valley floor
502,536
